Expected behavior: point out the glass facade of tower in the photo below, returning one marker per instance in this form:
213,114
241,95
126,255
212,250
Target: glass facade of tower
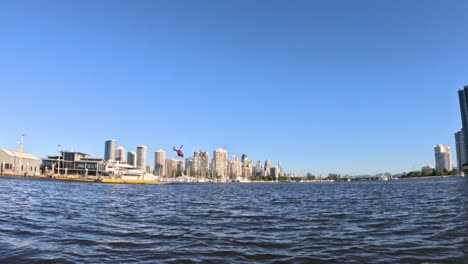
460,144
109,150
463,98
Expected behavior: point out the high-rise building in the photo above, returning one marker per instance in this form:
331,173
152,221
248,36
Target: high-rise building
258,169
219,162
201,163
443,158
246,166
463,99
160,163
109,150
267,167
189,167
234,168
280,167
244,157
459,144
274,172
141,157
174,167
180,167
131,158
120,154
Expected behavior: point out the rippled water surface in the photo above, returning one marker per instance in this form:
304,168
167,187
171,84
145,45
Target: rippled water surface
406,221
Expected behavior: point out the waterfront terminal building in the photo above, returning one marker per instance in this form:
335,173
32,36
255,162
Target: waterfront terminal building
74,163
18,163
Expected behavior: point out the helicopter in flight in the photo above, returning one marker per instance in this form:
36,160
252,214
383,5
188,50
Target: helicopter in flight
179,151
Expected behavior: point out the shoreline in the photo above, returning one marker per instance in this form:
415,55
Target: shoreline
430,177
73,178
90,180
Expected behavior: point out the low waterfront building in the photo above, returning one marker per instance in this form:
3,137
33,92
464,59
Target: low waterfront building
18,163
428,170
74,163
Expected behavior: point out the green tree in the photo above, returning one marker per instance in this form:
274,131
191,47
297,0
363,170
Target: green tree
282,179
334,176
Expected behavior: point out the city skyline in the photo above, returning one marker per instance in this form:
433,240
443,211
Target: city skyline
199,163
319,86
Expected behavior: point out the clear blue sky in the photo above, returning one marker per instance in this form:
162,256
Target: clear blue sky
323,86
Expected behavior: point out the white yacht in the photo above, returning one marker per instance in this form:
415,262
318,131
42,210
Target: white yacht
124,171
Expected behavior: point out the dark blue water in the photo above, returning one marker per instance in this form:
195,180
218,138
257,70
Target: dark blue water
406,221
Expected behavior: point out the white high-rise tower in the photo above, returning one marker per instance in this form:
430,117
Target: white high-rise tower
220,159
120,154
201,163
443,157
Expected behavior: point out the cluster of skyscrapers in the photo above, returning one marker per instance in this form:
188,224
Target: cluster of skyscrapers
199,165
